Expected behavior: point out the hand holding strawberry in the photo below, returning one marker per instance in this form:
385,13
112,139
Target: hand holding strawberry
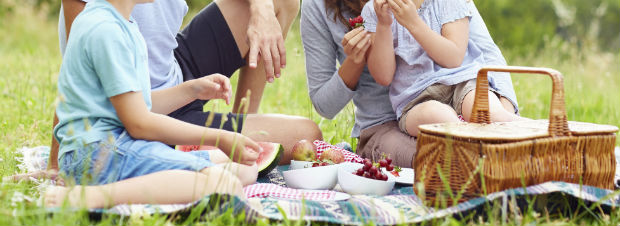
356,43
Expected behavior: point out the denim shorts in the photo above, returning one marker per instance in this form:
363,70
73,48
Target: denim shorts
122,157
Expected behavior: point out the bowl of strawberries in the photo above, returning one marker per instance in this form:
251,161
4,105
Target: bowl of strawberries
365,179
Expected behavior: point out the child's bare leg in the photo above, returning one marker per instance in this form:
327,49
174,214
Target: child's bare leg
496,109
247,174
427,113
165,187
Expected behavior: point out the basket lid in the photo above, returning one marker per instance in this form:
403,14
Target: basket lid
518,130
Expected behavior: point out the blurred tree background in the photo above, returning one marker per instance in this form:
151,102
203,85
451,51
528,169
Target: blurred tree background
521,26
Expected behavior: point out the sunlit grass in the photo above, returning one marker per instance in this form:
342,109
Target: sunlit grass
30,60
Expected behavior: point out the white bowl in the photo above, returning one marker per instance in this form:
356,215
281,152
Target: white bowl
300,164
356,185
315,178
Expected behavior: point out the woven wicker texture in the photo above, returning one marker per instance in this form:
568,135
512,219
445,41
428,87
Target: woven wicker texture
458,161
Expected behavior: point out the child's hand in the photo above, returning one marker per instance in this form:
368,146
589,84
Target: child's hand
405,11
384,16
245,149
215,86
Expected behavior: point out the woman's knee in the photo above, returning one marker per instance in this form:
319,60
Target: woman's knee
434,110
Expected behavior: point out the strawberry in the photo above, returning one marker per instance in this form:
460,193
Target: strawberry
356,22
395,171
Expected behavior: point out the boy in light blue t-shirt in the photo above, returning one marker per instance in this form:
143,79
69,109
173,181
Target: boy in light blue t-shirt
112,134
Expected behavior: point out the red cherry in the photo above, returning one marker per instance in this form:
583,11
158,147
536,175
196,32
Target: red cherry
367,166
383,163
373,170
389,167
389,160
367,175
324,164
385,177
315,164
378,174
359,172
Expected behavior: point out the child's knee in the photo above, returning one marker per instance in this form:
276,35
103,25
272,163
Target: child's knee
433,108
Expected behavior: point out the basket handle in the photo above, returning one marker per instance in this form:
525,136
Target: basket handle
558,125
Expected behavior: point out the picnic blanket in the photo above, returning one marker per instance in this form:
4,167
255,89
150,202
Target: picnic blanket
400,206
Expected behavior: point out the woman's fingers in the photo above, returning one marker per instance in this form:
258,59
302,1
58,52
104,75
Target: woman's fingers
361,48
349,48
351,34
356,39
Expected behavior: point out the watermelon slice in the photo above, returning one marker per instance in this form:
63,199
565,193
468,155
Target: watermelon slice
269,158
188,148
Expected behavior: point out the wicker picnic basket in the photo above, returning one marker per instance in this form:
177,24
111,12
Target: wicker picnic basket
460,161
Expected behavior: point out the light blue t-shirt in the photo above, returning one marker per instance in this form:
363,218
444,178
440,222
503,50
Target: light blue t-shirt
415,69
105,56
159,22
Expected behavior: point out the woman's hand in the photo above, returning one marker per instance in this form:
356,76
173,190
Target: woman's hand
405,11
384,16
356,44
215,86
245,149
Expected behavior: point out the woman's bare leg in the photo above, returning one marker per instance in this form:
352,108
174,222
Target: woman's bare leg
165,187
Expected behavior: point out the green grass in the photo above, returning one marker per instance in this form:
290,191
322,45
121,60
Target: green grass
30,61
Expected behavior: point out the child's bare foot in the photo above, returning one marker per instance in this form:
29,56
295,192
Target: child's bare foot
56,196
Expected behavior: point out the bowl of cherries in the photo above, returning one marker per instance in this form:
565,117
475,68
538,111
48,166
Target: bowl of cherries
365,179
312,175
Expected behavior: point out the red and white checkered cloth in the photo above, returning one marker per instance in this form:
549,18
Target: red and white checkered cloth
321,146
263,190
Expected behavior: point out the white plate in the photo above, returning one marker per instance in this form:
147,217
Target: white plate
406,175
341,196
